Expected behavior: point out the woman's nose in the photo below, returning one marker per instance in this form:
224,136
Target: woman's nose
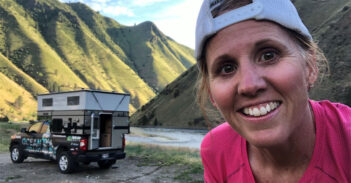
251,82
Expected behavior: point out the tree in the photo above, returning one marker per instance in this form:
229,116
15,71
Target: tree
18,102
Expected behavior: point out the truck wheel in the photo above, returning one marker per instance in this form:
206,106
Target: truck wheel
105,164
66,163
17,155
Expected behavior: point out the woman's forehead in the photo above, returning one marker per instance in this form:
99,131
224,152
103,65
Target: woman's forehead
247,33
253,28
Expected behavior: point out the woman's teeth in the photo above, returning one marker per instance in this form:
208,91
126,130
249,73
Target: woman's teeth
260,110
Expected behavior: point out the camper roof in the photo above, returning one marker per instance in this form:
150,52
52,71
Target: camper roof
84,100
83,90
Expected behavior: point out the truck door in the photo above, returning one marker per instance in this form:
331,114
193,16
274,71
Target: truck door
95,132
34,141
47,148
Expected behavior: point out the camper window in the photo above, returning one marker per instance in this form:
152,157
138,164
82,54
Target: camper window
47,102
56,125
122,114
73,100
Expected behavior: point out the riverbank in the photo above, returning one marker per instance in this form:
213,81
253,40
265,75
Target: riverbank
167,137
170,156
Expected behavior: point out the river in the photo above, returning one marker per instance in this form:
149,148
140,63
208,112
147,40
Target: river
167,137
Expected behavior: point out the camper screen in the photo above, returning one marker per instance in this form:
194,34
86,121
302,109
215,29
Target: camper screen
47,102
73,100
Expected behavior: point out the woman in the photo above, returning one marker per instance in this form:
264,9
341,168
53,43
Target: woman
257,62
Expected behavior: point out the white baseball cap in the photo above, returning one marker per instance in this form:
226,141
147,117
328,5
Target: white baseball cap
282,12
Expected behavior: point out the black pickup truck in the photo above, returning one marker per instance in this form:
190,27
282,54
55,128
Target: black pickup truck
68,149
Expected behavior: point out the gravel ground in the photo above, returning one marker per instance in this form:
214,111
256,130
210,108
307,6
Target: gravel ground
127,170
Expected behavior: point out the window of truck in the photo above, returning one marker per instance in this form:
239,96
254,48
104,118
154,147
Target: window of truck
35,128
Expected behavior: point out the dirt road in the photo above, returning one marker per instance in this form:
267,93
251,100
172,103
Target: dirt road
127,170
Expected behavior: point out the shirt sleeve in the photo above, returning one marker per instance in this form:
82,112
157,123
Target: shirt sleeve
209,174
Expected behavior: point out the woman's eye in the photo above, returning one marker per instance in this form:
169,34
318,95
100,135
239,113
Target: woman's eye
268,56
227,68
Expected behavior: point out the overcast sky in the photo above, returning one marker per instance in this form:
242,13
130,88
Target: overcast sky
175,18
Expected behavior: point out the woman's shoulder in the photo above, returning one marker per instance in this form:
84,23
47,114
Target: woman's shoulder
333,124
334,111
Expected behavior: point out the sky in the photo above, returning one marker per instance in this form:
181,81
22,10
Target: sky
175,18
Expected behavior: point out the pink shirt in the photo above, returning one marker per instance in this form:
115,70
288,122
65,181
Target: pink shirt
224,155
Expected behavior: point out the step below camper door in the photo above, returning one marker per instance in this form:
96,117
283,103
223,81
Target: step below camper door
95,132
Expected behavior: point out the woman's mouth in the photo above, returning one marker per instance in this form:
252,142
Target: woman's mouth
261,109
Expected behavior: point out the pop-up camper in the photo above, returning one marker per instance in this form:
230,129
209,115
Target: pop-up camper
77,126
104,116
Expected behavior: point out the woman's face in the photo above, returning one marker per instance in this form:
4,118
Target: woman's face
258,80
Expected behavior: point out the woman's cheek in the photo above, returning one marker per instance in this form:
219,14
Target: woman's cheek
222,93
288,78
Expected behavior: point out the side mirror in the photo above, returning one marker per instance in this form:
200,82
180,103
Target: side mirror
23,130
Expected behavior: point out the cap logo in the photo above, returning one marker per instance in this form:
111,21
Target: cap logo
214,3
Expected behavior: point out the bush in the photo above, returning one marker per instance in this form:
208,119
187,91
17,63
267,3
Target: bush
4,119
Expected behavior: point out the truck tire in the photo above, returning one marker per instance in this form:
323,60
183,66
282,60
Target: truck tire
105,164
17,154
66,163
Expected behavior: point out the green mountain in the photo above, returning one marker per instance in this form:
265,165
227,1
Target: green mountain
330,24
48,46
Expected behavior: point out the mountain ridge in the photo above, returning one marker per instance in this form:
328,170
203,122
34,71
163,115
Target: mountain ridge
48,46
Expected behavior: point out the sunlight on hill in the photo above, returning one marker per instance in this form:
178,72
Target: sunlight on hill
16,102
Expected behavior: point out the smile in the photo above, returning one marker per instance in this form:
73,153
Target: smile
261,109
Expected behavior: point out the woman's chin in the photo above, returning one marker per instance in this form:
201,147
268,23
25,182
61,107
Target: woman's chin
266,138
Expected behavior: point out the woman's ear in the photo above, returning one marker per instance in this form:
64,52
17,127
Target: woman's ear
312,69
211,98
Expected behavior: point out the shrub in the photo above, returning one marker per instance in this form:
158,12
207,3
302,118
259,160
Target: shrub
4,119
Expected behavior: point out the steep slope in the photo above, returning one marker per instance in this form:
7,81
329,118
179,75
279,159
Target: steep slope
17,75
171,108
143,47
25,47
329,22
48,46
151,51
16,102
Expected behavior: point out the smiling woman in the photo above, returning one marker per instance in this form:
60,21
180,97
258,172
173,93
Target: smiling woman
257,63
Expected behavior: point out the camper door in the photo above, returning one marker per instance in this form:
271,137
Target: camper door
95,132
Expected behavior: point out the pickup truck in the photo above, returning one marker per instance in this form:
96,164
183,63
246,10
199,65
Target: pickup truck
37,141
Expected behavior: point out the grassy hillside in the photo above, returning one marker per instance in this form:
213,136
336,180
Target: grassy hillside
17,75
16,102
174,107
330,24
144,48
151,51
48,46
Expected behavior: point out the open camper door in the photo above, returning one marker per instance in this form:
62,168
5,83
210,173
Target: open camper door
95,132
119,128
